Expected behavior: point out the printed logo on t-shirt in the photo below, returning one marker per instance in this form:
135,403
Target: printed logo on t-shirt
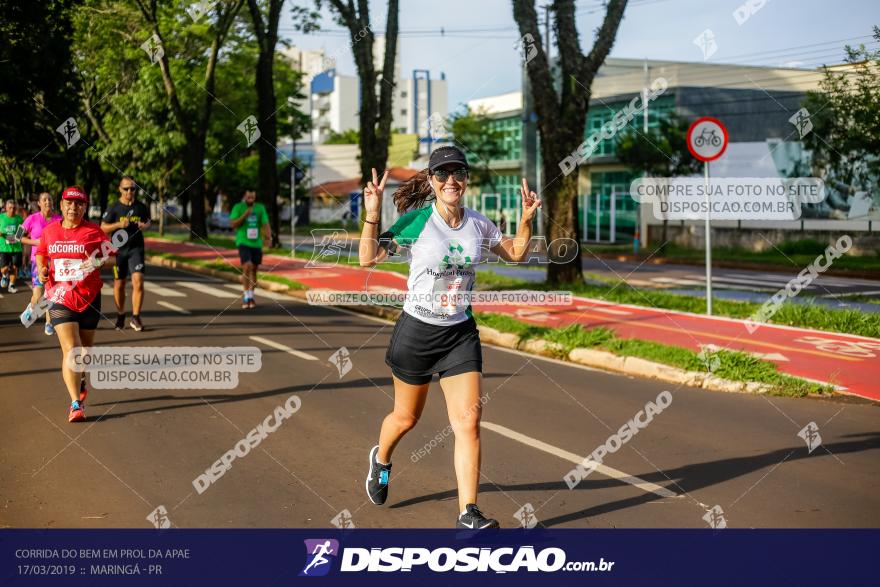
455,257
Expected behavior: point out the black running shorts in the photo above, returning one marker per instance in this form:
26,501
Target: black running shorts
10,259
127,262
248,254
87,319
418,350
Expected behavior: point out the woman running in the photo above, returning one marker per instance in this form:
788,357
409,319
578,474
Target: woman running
69,259
33,228
436,332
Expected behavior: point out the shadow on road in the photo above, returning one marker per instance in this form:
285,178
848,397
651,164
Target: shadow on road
681,480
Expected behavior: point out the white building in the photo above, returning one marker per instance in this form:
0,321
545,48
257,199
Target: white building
420,103
334,103
311,62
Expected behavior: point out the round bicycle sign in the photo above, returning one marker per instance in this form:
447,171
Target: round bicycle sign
707,138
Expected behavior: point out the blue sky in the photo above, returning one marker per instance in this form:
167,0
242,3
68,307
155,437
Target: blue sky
799,33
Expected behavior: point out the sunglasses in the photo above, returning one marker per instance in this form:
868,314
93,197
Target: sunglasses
128,189
458,175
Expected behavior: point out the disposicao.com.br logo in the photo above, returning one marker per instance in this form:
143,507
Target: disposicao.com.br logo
444,559
319,556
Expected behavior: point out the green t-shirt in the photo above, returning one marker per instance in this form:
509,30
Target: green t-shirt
8,226
248,233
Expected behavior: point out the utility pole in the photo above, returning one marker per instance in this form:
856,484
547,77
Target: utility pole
546,8
639,236
293,198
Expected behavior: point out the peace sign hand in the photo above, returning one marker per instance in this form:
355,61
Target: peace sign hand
530,202
373,193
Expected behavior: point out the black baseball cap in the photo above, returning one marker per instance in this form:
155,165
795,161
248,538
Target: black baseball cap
446,155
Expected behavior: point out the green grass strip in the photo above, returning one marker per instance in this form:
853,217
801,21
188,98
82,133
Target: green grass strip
732,365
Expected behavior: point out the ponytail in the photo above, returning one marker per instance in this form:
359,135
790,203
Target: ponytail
414,192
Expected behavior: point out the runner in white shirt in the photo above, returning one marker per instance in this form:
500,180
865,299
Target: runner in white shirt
436,332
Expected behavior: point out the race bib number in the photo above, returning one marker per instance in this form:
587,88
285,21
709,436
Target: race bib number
253,232
450,295
68,269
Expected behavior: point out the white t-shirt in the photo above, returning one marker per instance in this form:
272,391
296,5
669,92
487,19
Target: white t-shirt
442,261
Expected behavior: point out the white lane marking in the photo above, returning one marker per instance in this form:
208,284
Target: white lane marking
605,310
171,306
825,279
265,293
207,289
676,281
756,282
536,315
159,290
645,486
766,356
283,347
853,293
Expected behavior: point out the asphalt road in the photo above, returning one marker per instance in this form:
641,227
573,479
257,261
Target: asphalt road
141,449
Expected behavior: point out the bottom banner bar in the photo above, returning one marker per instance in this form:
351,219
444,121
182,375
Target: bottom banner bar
437,557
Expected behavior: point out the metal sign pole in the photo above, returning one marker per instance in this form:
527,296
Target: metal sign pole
292,202
708,246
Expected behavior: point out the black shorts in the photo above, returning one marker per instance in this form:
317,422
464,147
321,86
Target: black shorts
418,350
128,261
248,254
10,259
87,319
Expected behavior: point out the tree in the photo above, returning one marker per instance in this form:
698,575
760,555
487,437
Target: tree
39,92
473,133
117,88
661,152
265,15
192,118
561,105
375,115
233,171
845,118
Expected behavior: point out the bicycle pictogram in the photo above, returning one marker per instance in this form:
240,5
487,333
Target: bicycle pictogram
708,136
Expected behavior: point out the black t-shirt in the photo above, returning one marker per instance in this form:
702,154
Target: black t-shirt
137,212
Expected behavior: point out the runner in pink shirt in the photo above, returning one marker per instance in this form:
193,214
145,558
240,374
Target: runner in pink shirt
33,228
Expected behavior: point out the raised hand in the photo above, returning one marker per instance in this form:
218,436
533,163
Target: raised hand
373,194
530,202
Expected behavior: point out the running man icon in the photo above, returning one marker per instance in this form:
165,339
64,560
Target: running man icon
316,560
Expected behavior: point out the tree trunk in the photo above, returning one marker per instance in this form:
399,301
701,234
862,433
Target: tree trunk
375,112
266,106
561,93
161,189
103,191
194,173
560,226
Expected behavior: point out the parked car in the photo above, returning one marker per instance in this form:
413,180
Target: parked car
219,221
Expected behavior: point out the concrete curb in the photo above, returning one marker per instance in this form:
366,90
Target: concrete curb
633,366
596,359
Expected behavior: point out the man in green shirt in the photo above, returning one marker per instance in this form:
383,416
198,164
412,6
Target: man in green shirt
251,224
10,245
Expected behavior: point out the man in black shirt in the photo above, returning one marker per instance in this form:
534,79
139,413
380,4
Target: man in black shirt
133,217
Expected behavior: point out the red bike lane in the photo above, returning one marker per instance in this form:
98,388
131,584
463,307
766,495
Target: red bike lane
848,361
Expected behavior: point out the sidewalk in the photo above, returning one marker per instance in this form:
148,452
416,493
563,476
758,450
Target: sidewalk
844,360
